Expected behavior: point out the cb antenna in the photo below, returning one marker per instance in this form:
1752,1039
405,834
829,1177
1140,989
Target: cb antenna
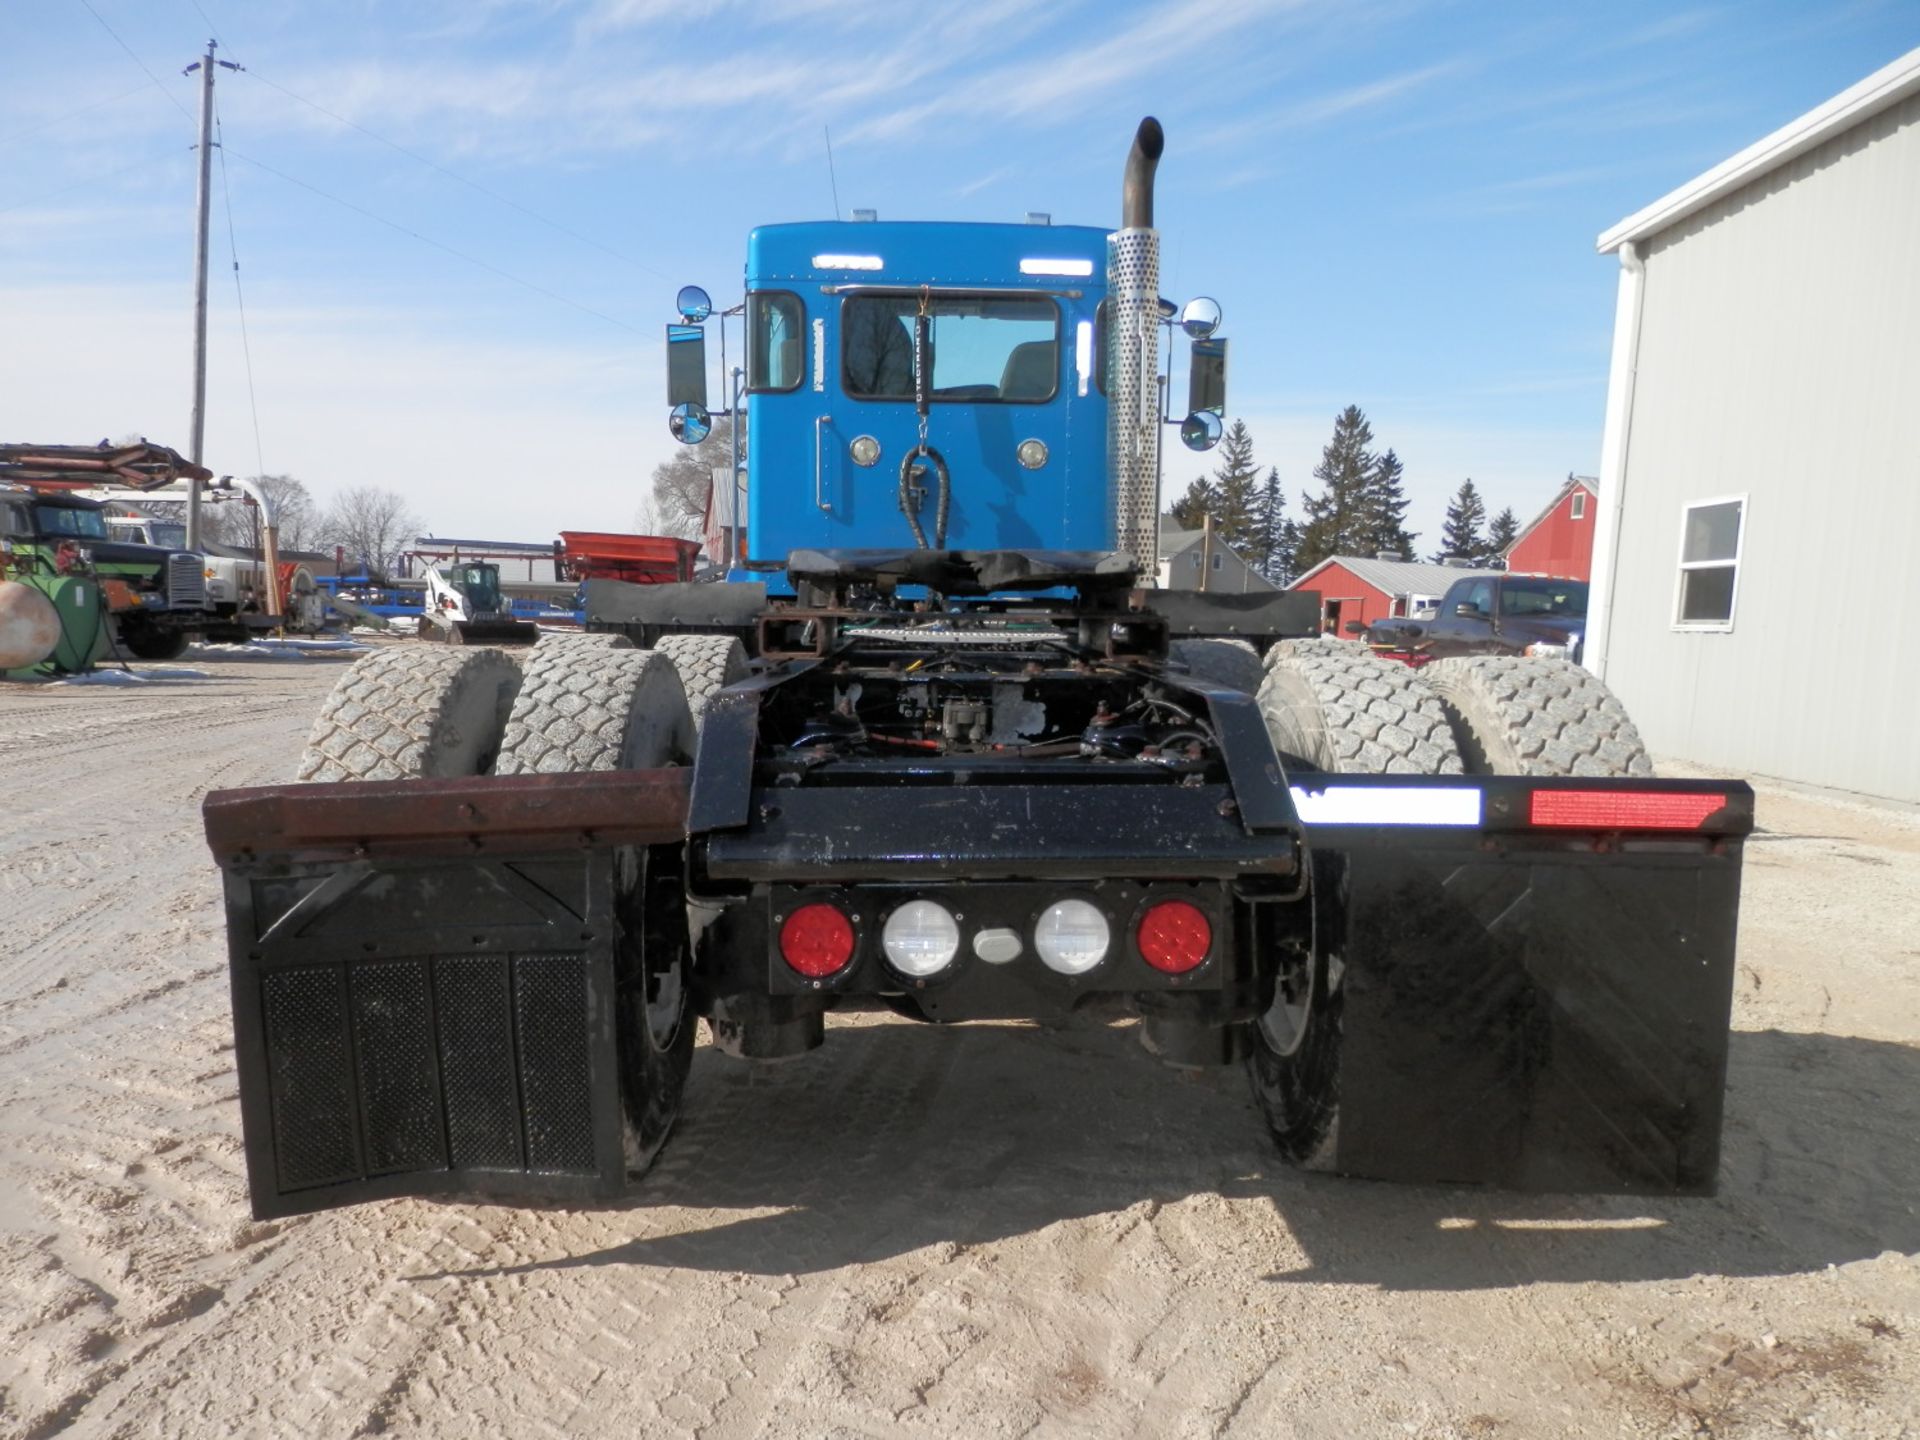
831,178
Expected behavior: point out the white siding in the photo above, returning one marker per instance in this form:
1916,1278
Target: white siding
1780,360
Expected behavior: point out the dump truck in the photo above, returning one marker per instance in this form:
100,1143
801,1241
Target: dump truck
153,596
933,748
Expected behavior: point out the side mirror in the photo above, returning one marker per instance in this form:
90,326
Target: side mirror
686,365
1467,612
1201,317
1201,430
1207,377
1354,627
693,303
690,423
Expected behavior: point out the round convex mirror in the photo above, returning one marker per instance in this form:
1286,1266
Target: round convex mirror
1201,430
693,303
1201,317
691,423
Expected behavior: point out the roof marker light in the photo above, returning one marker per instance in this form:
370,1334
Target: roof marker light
1623,809
1056,267
1361,805
847,262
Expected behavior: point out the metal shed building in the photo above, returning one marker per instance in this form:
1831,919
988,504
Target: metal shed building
1756,592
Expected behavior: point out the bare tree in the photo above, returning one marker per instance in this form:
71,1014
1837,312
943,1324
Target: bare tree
682,485
229,517
371,525
294,506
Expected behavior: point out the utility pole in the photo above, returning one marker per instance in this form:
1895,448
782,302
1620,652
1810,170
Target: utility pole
197,424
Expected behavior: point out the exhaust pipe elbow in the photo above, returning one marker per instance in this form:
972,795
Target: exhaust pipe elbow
1136,189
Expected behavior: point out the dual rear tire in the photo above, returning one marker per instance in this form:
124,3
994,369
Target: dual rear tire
579,703
1335,708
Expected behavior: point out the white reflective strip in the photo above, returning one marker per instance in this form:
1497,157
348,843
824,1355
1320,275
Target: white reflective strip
1363,805
847,262
1054,267
1083,353
820,355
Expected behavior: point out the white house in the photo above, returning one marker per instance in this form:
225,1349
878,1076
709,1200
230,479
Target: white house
1756,592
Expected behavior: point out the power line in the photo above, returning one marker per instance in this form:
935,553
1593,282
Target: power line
83,184
70,115
475,185
441,246
240,299
209,19
171,98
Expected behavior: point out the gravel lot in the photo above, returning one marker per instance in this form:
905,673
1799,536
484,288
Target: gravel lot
997,1230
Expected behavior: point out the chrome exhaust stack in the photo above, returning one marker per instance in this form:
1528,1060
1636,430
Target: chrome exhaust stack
1133,400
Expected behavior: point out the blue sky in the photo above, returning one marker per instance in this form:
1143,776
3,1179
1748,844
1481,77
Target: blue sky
455,281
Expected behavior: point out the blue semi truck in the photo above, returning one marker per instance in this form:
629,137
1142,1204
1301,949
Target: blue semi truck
935,744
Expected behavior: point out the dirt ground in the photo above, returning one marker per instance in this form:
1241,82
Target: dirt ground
988,1231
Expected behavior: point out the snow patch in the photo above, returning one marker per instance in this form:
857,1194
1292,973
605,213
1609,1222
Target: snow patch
148,676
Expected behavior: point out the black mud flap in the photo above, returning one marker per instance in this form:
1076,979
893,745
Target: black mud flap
1540,1008
423,983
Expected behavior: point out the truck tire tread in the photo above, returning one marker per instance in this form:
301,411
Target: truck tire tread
1346,711
595,707
707,665
411,713
1513,715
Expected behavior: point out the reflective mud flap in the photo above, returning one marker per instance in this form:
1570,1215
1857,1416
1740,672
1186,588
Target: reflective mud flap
1536,977
424,975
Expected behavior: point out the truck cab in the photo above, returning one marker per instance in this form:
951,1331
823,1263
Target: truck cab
157,592
925,385
1005,316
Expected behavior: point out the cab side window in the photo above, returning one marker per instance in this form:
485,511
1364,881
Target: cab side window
1480,596
776,341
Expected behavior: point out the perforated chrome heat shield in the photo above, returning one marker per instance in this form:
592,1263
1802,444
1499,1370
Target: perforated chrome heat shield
1133,417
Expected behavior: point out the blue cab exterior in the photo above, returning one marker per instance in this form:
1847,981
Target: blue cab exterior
803,487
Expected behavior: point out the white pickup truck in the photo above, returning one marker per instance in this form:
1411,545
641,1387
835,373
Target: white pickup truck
236,583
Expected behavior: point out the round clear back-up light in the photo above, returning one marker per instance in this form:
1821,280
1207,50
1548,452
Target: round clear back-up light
1032,453
864,449
1071,937
921,939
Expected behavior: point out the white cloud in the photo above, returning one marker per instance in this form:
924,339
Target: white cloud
503,441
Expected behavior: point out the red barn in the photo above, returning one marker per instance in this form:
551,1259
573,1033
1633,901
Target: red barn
1559,540
1353,589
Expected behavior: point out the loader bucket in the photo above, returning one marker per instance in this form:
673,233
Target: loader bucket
494,632
423,977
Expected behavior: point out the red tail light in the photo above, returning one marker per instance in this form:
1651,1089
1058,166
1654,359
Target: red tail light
816,940
1175,936
1622,809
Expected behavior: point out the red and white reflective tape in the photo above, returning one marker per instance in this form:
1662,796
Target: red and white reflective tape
1367,805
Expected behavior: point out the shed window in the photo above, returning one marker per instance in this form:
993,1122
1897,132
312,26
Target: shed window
1710,536
1579,505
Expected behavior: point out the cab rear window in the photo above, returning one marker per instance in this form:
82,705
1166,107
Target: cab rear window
979,349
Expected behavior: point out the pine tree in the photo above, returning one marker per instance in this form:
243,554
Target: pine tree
1460,535
1337,521
1236,496
1387,506
1281,537
1500,536
1190,511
